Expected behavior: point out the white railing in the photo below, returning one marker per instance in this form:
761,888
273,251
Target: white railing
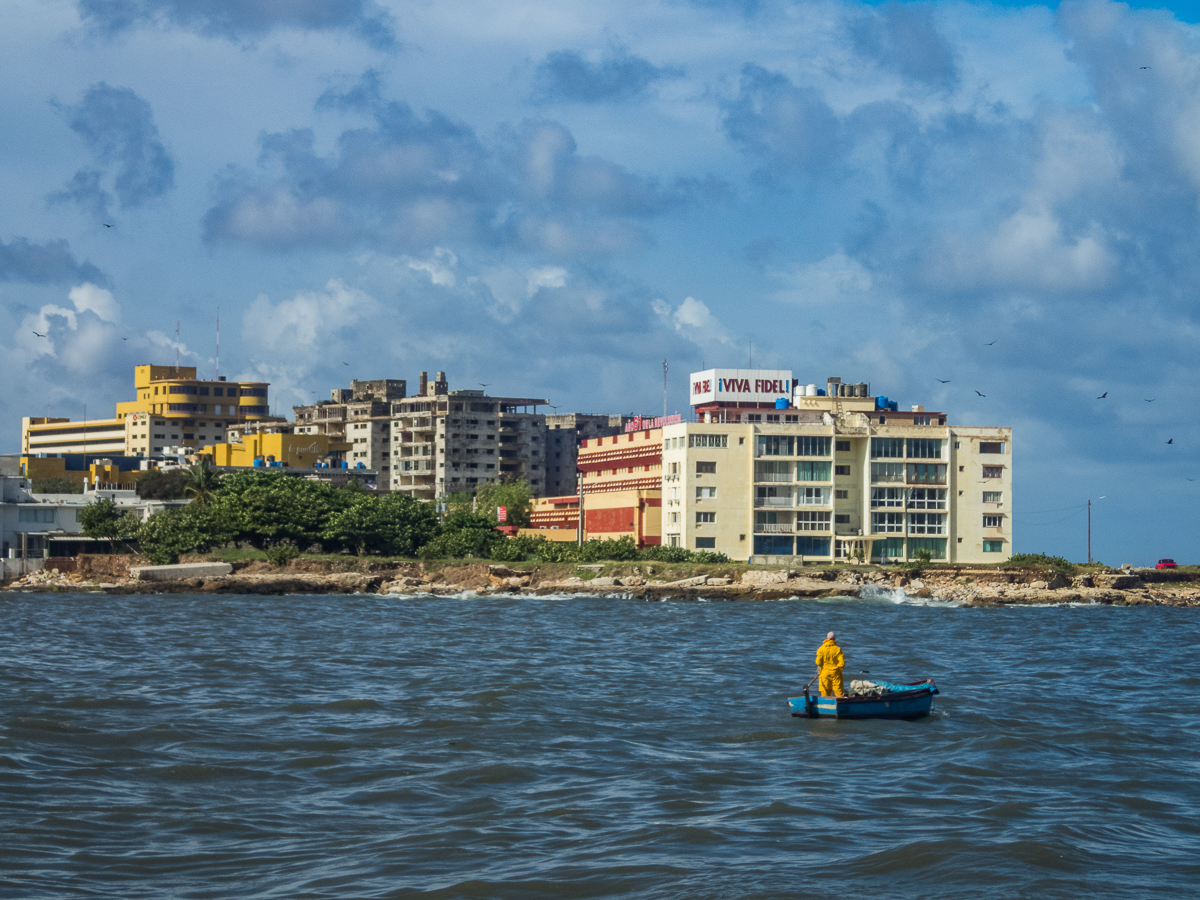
773,501
776,528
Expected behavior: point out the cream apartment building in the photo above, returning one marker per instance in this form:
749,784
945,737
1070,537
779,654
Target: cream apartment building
826,478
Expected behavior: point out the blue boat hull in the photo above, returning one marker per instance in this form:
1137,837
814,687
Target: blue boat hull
911,701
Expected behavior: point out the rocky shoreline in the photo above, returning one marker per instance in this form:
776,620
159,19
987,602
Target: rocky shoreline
983,588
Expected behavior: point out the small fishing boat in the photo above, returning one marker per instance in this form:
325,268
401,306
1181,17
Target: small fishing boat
874,700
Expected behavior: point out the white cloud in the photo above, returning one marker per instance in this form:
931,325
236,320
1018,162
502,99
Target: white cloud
692,319
100,301
835,279
302,326
440,267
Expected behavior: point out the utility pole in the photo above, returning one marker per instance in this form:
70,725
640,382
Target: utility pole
664,388
1089,531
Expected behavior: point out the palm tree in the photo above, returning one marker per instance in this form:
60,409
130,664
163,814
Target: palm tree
202,483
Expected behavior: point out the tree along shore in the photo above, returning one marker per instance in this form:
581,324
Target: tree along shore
964,585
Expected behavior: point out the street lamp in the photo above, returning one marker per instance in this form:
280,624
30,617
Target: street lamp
1098,499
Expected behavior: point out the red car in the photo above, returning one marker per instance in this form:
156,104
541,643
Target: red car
1165,564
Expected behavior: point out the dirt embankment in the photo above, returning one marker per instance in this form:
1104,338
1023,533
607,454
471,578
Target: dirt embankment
977,587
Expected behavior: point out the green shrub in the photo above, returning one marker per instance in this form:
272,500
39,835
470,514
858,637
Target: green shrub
1042,562
708,556
279,555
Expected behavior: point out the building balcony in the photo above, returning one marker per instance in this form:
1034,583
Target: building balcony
783,502
777,528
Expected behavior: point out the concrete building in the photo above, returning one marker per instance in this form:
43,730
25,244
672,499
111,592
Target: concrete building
776,470
360,416
173,408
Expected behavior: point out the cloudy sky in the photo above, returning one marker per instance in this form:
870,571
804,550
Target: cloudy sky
554,197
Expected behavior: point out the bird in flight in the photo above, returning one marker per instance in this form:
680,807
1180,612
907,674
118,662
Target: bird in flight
1171,441
345,364
106,225
1102,396
947,381
1191,479
481,384
981,395
1149,401
39,335
988,345
1143,67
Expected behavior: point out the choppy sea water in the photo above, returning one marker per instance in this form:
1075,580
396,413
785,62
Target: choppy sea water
514,747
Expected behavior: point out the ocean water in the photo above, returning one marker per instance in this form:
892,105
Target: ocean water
578,747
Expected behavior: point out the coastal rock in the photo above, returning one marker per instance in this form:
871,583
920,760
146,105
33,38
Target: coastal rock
718,581
1057,582
1083,581
688,582
603,581
632,581
1038,585
760,577
1118,582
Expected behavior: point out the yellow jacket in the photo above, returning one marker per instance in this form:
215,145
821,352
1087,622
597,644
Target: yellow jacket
829,656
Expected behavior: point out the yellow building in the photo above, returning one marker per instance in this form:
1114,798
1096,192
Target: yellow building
108,474
173,408
291,450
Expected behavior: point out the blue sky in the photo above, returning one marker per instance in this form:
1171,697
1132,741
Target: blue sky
553,197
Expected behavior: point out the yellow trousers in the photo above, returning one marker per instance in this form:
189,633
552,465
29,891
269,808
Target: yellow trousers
831,683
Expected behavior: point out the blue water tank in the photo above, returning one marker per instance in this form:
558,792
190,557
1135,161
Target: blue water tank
894,406
881,402
258,463
345,465
820,392
782,403
360,465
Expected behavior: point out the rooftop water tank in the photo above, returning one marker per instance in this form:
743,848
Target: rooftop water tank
860,389
258,462
782,403
811,390
881,402
820,392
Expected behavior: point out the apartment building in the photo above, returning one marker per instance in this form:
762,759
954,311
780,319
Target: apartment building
776,470
173,408
360,416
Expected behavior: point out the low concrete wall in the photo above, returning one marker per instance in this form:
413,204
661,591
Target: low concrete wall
19,568
185,570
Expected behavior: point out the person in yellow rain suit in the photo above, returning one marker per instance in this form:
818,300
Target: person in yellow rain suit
831,662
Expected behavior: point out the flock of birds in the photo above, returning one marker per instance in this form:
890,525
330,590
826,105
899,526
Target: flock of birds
1103,396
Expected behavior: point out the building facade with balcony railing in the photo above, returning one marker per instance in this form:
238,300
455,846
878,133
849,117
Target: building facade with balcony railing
849,486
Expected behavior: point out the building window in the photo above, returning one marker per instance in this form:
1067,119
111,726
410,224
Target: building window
44,516
706,543
927,498
812,496
841,470
991,446
771,470
813,521
887,498
841,519
993,521
812,471
812,546
703,518
887,448
843,446
842,495
887,523
935,546
772,545
708,440
706,493
993,496
812,446
706,468
924,448
993,546
887,472
920,420
993,471
926,523
774,445
926,473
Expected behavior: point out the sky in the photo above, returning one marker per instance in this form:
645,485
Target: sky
552,198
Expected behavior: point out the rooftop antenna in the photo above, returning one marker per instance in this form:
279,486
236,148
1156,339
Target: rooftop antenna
664,388
218,366
752,354
176,372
